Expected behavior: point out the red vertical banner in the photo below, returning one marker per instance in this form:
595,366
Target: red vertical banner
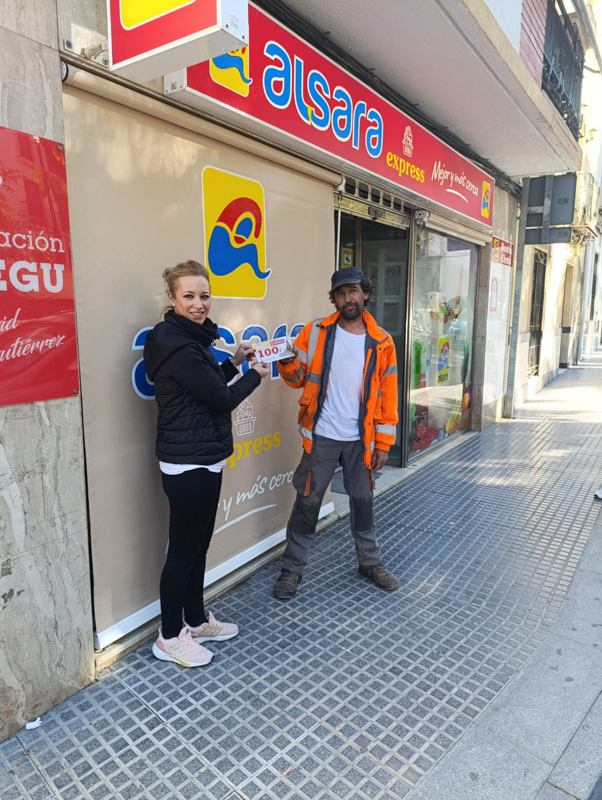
38,347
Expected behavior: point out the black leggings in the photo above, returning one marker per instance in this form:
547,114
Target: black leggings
193,500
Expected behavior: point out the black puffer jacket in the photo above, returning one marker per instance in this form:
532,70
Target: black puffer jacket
195,403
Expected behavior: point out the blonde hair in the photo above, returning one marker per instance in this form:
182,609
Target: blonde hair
172,275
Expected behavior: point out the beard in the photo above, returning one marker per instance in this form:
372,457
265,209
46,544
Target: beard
351,311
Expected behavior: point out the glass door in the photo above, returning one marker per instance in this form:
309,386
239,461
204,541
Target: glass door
537,296
380,249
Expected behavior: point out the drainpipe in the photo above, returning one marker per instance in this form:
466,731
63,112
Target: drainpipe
339,189
584,18
508,407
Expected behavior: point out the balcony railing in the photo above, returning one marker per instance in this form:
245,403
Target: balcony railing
563,67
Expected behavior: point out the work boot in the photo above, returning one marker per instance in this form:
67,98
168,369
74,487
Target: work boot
286,585
381,577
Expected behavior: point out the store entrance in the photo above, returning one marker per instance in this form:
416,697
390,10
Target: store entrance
537,298
379,247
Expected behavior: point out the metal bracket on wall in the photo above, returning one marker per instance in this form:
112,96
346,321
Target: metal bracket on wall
99,53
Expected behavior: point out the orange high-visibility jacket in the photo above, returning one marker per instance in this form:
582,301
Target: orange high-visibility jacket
310,370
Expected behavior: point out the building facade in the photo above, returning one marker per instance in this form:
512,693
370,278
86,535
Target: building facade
286,160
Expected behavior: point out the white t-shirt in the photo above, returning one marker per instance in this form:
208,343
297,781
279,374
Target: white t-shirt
339,418
178,469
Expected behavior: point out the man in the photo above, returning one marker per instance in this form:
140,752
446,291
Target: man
347,368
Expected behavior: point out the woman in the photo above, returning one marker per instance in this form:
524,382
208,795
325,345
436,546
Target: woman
194,437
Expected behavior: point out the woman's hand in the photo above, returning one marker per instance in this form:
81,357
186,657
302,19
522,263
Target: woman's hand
261,368
244,352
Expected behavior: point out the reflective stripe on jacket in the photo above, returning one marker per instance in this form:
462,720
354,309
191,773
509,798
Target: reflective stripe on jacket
310,370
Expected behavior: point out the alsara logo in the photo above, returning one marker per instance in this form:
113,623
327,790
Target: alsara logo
145,389
139,12
287,80
235,252
232,71
486,201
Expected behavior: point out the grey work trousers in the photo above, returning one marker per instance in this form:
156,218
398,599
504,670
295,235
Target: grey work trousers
311,480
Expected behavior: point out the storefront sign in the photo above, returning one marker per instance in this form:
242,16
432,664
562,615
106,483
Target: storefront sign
149,38
283,88
38,350
254,333
502,252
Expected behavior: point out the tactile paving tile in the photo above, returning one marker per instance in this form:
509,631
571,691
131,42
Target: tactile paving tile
345,691
19,777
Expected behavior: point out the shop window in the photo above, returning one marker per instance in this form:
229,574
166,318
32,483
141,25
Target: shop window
442,339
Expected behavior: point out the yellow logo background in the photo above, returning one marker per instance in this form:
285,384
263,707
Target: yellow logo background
232,71
137,12
486,200
235,250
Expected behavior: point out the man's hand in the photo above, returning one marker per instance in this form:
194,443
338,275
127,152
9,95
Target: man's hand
292,358
379,459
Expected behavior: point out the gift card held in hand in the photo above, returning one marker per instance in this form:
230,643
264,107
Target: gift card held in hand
273,350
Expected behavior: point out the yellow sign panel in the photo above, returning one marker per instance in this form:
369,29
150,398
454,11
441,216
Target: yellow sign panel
486,200
347,257
443,361
235,252
232,71
137,12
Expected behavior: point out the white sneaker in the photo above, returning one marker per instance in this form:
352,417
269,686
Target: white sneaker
182,650
213,631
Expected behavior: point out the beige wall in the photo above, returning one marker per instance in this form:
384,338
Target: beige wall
136,207
552,345
46,650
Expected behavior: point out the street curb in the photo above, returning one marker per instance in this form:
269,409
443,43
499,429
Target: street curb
597,793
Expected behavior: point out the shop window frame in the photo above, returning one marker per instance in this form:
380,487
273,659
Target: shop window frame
446,230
